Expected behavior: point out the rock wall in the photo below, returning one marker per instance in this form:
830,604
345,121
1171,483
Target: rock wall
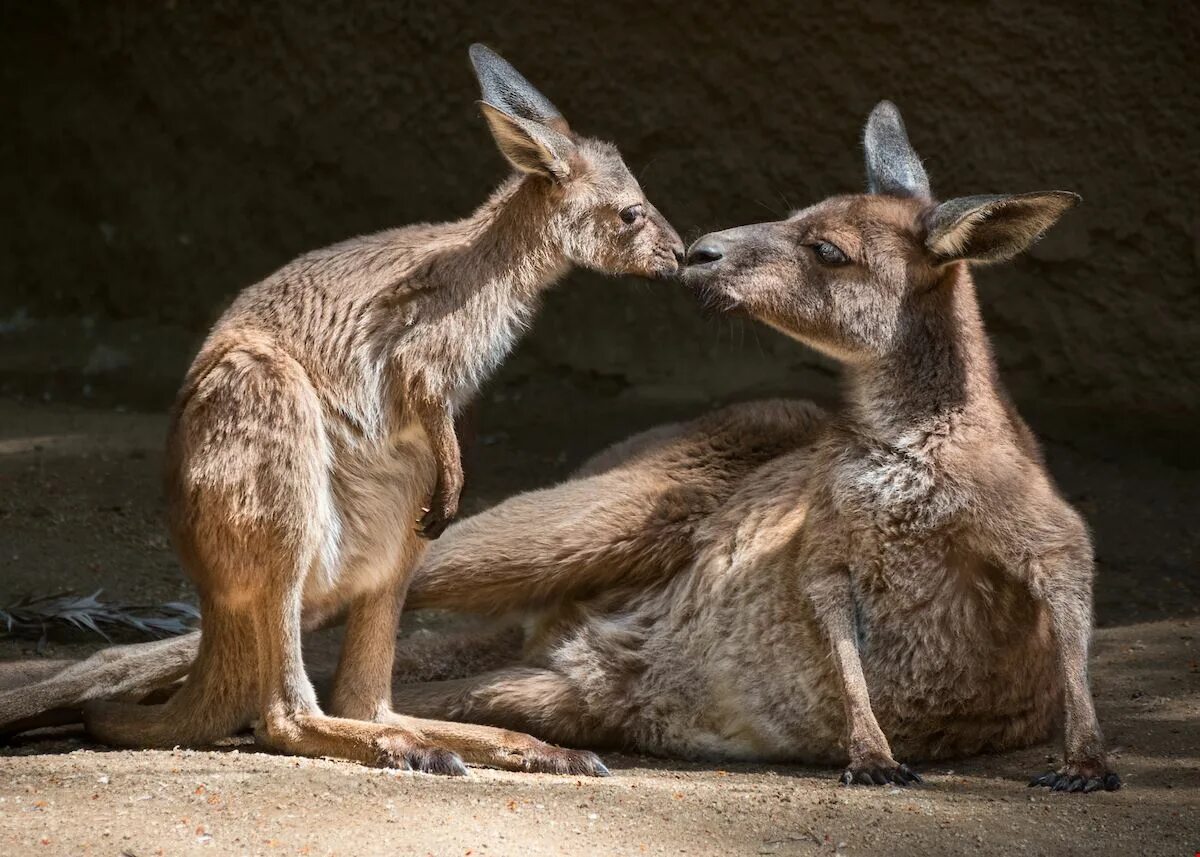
158,156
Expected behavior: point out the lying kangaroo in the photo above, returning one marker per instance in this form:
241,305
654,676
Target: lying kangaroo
317,424
770,582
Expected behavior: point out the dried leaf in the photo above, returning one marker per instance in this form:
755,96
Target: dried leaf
38,615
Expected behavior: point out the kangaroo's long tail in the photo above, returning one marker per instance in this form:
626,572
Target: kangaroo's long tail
34,694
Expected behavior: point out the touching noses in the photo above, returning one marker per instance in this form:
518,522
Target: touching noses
707,249
677,249
668,236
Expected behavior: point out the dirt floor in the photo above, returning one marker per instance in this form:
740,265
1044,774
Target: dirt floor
80,508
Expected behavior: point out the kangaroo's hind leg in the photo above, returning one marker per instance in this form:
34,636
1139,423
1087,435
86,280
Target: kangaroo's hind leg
629,519
557,543
538,701
362,690
252,513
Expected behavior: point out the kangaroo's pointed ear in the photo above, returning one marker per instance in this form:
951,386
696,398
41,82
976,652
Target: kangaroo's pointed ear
993,228
893,168
530,146
506,89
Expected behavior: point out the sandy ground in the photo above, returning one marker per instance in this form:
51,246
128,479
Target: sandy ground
80,508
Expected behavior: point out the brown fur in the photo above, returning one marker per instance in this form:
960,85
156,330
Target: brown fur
312,447
768,582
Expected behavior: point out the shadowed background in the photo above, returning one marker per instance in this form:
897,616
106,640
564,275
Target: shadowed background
160,156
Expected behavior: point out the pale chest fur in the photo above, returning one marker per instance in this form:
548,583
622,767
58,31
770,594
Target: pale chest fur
896,514
366,536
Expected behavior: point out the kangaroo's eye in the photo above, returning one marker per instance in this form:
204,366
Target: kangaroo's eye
829,253
633,213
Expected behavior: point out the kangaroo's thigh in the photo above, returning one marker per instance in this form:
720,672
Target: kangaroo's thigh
249,503
630,521
248,473
724,443
553,544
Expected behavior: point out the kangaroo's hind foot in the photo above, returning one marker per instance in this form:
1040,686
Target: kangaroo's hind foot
514,701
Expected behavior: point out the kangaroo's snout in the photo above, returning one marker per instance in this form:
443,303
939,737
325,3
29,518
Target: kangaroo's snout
706,249
671,243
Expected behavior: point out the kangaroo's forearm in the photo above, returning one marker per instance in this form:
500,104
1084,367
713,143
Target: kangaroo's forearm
871,761
833,607
437,419
1063,583
438,422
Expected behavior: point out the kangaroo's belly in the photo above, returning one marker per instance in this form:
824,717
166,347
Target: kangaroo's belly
959,662
369,539
701,670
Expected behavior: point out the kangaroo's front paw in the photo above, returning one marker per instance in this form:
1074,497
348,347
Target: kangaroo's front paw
1085,776
879,772
433,523
441,511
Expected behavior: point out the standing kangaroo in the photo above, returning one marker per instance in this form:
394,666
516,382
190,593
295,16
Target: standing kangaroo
317,425
900,579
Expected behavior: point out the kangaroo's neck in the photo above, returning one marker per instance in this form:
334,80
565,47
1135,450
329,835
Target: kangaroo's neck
940,379
482,277
510,244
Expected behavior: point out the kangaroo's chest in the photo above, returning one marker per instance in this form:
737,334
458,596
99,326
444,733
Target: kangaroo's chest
899,520
456,350
377,486
938,620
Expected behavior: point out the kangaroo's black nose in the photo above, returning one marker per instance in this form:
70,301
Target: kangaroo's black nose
704,251
677,252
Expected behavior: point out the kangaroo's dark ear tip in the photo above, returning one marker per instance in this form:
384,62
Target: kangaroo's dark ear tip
1069,197
885,110
480,54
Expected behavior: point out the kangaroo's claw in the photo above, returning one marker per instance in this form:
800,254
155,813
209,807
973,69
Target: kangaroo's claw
880,775
1071,779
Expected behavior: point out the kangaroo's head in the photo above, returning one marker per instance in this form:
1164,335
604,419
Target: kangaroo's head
853,275
601,217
